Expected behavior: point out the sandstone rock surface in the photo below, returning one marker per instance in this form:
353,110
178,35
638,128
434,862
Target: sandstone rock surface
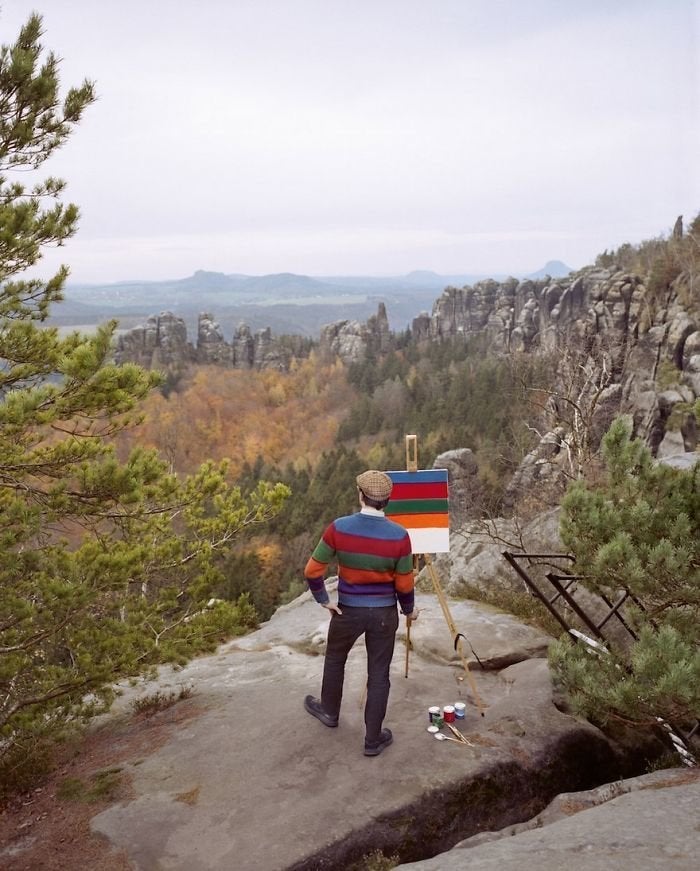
275,789
645,823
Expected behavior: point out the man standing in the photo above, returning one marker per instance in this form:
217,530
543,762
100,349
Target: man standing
375,568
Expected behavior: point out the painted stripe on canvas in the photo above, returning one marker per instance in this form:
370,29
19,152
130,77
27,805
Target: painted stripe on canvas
422,521
420,491
426,476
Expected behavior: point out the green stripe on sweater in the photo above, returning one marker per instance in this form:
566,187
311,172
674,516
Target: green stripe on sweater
366,561
323,553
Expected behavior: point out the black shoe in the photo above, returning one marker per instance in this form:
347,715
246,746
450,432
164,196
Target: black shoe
374,748
313,706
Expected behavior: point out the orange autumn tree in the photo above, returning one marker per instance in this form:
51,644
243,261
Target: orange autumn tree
242,415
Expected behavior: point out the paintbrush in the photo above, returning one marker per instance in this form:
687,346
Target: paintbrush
458,735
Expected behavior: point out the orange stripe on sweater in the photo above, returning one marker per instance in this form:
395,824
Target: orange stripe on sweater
363,576
404,583
314,569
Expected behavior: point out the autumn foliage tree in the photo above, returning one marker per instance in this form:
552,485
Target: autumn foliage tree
280,416
106,567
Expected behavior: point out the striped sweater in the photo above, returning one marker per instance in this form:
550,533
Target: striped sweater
375,565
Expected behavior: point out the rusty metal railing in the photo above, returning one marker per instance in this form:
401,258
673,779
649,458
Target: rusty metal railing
562,584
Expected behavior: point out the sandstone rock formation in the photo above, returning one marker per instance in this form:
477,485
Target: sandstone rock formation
211,345
249,780
268,353
645,822
607,319
465,488
161,343
615,349
475,560
243,347
475,564
353,342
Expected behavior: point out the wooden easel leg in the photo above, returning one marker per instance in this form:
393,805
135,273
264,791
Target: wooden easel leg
408,644
453,630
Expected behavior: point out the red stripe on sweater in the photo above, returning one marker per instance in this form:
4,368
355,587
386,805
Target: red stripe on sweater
362,544
404,583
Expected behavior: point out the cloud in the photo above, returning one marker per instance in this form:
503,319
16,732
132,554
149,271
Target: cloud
268,131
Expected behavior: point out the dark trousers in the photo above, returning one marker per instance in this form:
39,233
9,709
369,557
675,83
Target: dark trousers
379,627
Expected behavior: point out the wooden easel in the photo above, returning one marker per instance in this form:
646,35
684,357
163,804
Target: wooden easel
412,466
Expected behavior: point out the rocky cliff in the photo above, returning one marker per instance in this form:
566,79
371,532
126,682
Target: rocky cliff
620,349
162,343
642,353
353,341
159,343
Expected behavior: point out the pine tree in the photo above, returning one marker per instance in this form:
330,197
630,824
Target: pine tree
639,531
106,567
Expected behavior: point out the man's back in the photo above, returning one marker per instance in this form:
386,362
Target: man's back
374,559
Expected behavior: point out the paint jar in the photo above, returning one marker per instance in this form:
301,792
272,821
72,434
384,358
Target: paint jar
448,714
433,713
439,722
433,729
460,710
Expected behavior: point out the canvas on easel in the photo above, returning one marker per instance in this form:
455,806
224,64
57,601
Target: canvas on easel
419,502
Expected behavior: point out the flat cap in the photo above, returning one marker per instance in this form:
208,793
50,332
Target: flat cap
376,485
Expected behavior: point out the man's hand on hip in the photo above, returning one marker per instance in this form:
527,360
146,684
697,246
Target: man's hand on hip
329,606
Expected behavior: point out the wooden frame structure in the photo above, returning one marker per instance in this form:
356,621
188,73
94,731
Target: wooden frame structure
562,583
457,637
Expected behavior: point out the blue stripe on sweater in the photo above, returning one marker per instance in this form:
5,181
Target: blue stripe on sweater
366,601
373,596
370,526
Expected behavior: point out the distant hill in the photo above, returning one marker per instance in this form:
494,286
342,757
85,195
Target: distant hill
553,269
286,302
214,288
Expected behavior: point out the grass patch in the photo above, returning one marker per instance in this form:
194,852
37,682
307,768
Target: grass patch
70,788
669,759
160,701
375,861
103,786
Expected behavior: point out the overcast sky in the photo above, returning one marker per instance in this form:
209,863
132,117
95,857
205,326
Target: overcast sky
372,136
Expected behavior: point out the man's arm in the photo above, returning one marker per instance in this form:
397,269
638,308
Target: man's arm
404,580
315,570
